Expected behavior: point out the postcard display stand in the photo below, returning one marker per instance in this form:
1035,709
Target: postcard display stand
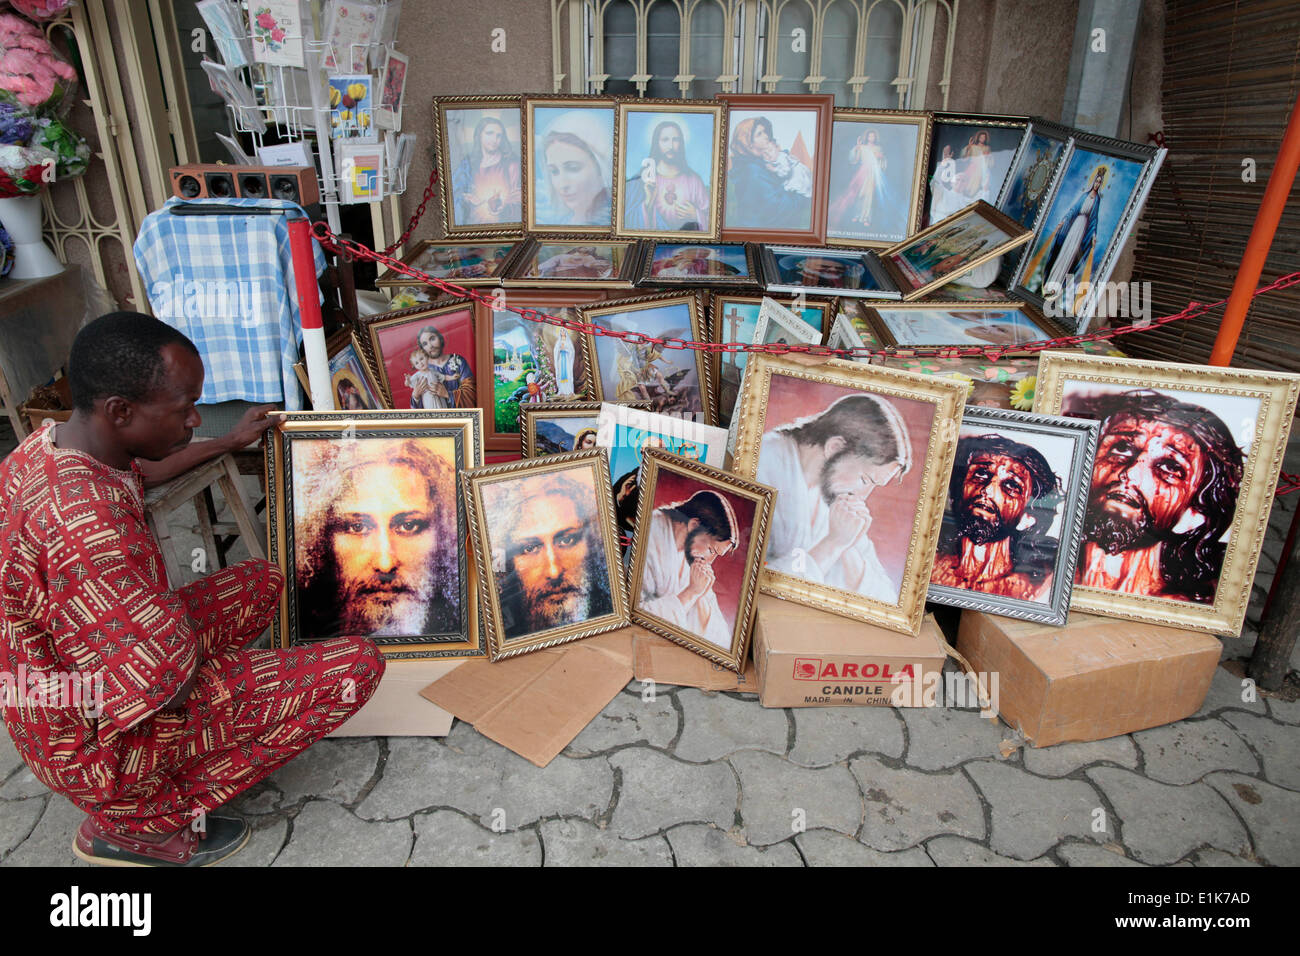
279,78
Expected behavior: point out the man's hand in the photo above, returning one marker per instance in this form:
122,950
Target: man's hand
421,387
252,426
687,212
700,584
849,521
440,391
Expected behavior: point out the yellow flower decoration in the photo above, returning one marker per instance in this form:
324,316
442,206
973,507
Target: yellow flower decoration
357,91
404,300
335,96
345,115
1022,396
970,382
1116,352
364,119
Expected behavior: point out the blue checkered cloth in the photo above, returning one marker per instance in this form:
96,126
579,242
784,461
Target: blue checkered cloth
227,283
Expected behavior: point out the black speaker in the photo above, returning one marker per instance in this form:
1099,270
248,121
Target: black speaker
219,185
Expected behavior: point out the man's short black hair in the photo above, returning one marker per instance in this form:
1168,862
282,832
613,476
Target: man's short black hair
120,354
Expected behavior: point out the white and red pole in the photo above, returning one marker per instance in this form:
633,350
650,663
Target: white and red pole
313,330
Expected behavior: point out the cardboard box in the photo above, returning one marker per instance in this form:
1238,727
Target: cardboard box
1096,677
657,659
536,703
396,709
808,658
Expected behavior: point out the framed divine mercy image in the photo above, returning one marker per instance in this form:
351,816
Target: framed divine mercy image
547,555
696,555
860,458
1010,538
1186,469
364,519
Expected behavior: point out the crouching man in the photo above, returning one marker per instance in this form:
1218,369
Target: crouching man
186,718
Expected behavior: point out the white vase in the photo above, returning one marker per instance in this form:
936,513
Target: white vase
21,218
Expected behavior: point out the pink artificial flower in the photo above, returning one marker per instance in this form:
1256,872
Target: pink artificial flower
277,35
265,20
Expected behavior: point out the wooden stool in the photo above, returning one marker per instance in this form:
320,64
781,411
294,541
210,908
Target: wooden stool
196,486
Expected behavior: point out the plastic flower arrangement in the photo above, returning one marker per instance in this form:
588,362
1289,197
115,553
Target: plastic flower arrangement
1022,396
36,87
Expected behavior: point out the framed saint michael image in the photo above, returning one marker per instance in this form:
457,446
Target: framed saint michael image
1187,464
1010,538
860,457
364,520
696,555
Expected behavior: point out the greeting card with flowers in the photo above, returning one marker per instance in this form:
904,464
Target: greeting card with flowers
350,29
352,107
278,28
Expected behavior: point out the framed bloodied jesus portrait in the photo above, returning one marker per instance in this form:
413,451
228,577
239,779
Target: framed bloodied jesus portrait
545,550
860,456
696,555
364,519
1187,463
1009,542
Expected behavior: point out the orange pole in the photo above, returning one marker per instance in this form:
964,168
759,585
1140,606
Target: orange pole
1261,238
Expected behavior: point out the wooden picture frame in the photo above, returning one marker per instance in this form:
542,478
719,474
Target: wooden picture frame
638,210
963,241
627,371
832,561
561,506
699,264
573,192
460,263
495,207
654,575
533,444
500,428
314,460
388,333
909,325
1223,431
876,156
806,270
571,262
1017,478
777,194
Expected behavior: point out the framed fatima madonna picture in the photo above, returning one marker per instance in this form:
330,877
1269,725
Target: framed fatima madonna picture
877,177
696,556
1014,512
569,157
668,168
532,361
424,356
364,519
951,248
777,167
478,143
1187,463
546,551
859,456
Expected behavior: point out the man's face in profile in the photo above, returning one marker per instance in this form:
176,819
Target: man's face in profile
550,559
993,497
383,542
857,476
1146,475
702,546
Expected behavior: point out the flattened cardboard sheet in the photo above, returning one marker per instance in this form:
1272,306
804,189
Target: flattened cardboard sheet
660,660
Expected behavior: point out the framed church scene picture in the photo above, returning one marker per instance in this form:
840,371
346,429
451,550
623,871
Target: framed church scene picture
700,537
1187,463
364,519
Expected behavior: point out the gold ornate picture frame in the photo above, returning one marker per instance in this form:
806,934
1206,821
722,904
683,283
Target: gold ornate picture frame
718,518
546,551
478,205
579,428
858,537
1186,470
646,209
345,519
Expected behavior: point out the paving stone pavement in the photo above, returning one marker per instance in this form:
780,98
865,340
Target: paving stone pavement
694,778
